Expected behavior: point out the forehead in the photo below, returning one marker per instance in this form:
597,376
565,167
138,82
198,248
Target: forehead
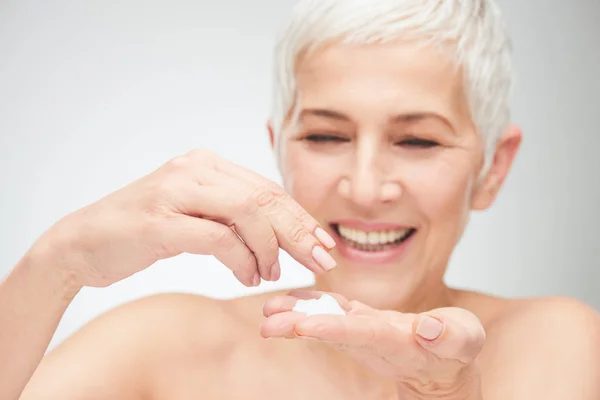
381,79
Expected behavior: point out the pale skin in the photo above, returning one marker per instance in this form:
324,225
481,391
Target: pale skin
370,109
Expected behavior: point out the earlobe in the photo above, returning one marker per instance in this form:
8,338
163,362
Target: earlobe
505,153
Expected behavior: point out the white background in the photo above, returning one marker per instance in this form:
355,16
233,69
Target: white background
95,94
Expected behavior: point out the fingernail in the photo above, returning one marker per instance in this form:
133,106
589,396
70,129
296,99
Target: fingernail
324,237
275,272
429,328
323,258
256,279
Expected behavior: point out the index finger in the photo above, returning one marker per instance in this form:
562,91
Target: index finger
297,232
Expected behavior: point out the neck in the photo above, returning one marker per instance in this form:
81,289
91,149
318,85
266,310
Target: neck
383,296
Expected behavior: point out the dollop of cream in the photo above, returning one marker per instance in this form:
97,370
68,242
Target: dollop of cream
326,304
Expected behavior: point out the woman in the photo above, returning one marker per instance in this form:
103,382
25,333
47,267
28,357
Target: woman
385,147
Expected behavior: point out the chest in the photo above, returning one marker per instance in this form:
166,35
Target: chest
284,388
283,374
278,378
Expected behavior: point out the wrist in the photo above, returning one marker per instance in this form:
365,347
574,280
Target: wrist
466,385
47,262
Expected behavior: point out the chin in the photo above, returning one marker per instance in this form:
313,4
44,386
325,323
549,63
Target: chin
379,264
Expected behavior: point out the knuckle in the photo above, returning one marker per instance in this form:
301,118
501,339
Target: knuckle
299,235
268,194
163,186
303,218
476,338
201,152
247,205
179,163
470,346
203,155
223,239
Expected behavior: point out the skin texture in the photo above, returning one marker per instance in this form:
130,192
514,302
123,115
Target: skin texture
185,346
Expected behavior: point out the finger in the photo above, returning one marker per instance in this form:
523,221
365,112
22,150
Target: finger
257,232
296,231
227,206
357,331
358,308
450,333
186,234
281,325
279,304
299,230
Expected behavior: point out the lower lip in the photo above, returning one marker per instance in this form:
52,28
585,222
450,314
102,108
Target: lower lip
372,258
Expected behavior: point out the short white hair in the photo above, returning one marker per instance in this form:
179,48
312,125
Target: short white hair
474,29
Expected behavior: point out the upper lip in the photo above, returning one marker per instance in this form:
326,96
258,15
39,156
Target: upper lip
370,226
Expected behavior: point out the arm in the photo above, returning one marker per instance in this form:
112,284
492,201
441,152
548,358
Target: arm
153,218
33,299
553,353
139,350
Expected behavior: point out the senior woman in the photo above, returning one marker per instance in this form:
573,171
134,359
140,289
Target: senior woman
391,125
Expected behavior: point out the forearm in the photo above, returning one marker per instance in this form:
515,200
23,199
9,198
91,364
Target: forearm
33,299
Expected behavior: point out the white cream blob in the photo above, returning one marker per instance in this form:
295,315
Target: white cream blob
325,305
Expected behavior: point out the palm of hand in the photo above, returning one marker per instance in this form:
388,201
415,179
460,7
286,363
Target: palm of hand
423,348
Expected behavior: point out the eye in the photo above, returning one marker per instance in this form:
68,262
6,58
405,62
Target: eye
420,143
324,138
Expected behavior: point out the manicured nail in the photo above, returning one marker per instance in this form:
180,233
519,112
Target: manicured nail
323,258
256,279
429,328
324,237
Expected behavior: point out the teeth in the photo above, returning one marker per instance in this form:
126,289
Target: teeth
360,237
371,238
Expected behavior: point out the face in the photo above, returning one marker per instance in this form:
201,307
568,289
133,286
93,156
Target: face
384,154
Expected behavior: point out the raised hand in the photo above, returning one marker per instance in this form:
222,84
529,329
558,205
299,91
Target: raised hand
196,203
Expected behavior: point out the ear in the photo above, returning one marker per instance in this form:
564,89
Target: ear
271,133
506,150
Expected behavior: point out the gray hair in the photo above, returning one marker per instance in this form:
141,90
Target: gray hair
474,29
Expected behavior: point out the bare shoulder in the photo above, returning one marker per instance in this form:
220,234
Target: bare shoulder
504,318
548,320
547,348
130,346
182,328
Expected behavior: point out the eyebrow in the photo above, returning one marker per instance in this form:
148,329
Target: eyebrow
399,118
324,113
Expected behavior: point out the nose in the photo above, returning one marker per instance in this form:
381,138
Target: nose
368,182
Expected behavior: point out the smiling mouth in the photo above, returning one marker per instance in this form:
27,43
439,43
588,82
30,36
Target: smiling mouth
373,241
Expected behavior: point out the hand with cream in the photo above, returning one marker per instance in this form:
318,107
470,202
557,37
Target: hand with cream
424,353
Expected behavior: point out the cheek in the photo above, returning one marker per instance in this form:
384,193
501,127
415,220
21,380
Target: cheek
309,179
441,188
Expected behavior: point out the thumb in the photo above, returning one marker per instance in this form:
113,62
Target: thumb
450,333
